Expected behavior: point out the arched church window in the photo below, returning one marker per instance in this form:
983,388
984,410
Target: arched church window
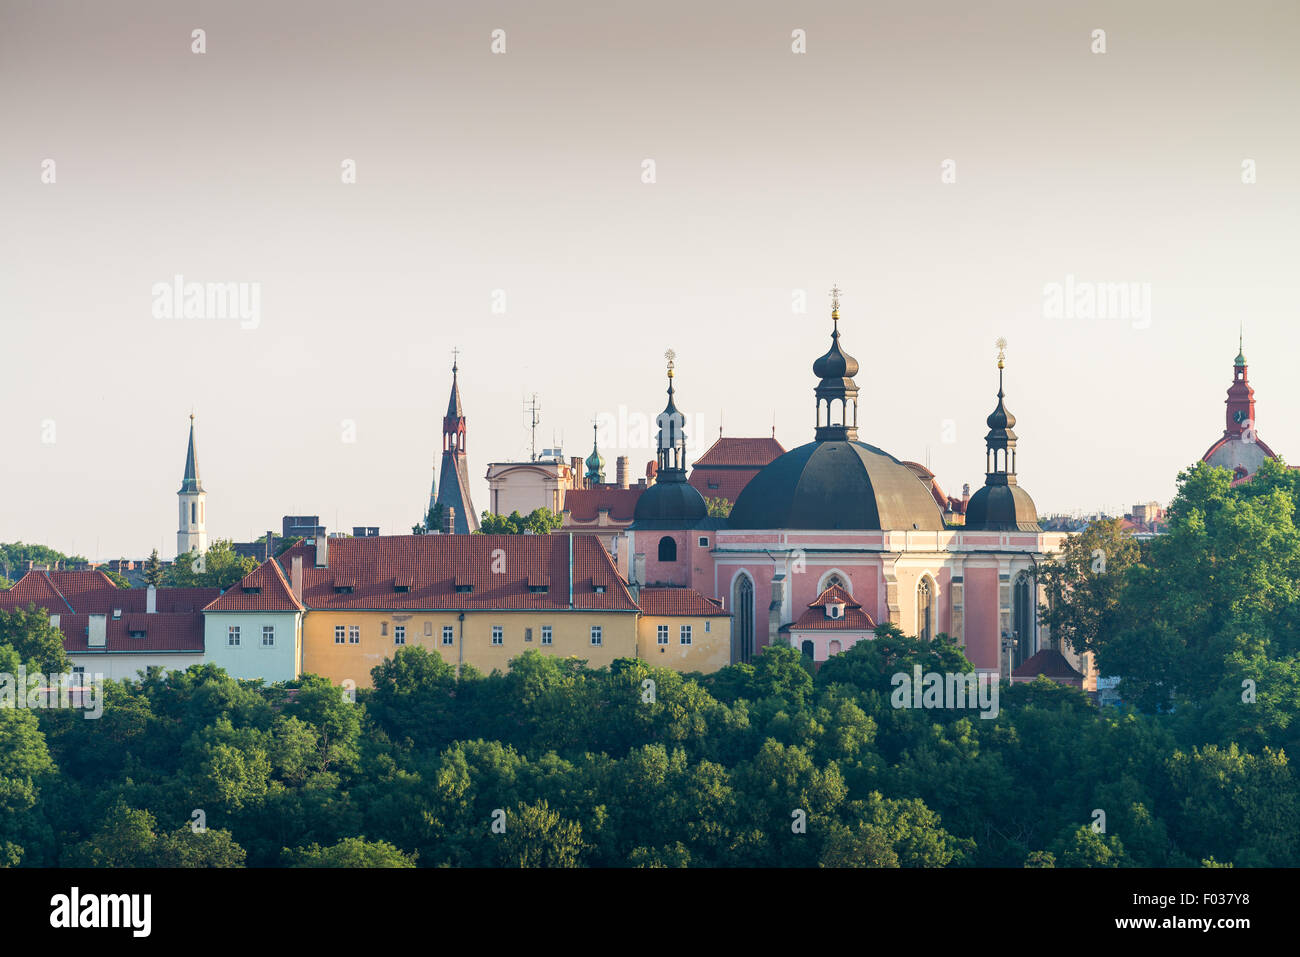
742,620
1022,620
835,580
807,649
667,549
925,610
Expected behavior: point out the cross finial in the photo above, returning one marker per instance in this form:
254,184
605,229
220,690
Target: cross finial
671,356
1002,349
835,302
455,356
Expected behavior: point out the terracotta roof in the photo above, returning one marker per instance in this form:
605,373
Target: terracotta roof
437,565
177,625
584,504
729,452
272,592
163,633
720,483
34,588
677,601
814,619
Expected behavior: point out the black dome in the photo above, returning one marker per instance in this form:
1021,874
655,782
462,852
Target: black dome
1002,508
669,504
836,363
836,484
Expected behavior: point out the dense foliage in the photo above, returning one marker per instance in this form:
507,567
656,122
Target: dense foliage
762,764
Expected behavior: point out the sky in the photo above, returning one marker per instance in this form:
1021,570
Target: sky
943,163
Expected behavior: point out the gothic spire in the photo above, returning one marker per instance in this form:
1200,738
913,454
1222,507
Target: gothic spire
190,483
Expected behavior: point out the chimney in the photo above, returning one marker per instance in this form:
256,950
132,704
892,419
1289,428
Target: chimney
575,463
775,608
449,520
151,601
621,471
295,577
638,575
322,551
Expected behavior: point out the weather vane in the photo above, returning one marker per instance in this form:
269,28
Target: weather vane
1002,349
670,356
835,302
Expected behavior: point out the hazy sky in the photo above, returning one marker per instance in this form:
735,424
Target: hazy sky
522,172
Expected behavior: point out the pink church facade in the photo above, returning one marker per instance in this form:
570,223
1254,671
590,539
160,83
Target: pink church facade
835,536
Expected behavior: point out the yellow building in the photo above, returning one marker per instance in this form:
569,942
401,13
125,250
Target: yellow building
479,600
681,629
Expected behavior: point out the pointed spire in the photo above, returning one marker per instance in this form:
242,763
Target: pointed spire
190,483
454,408
595,461
1241,355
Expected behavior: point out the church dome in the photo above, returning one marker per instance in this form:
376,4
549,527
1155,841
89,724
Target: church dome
669,504
1002,508
836,484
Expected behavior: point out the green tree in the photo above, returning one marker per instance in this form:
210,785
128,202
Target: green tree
153,570
38,643
221,567
540,521
718,507
349,852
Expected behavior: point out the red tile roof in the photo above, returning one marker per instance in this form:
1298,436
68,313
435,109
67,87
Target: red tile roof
272,592
177,625
729,452
163,633
677,601
496,569
34,588
814,619
584,504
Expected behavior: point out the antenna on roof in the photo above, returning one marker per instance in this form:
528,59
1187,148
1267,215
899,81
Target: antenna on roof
533,409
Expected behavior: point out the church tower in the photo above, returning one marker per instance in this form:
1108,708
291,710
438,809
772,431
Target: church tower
1240,450
453,479
595,463
1001,505
191,533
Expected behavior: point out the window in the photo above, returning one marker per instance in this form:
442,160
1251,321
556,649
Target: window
528,634
339,633
268,636
343,589
78,673
401,589
596,638
252,589
399,634
538,589
667,549
498,635
448,635
661,633
117,614
354,634
464,589
598,589
232,636
707,623
685,638
704,541
383,629
925,610
546,634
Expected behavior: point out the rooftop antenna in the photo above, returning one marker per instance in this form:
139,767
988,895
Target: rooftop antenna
533,409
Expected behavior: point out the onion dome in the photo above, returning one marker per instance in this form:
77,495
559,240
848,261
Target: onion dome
1001,505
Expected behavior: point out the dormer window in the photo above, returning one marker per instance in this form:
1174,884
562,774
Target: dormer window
598,589
464,589
401,589
252,589
117,614
136,633
835,609
539,589
343,589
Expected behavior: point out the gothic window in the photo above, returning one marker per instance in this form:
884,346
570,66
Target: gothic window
807,649
667,549
742,612
925,610
1022,622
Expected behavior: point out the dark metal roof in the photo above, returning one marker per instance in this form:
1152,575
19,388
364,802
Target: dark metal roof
670,503
836,484
1002,508
191,483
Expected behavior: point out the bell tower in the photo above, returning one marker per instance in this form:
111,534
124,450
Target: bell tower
1240,417
191,532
